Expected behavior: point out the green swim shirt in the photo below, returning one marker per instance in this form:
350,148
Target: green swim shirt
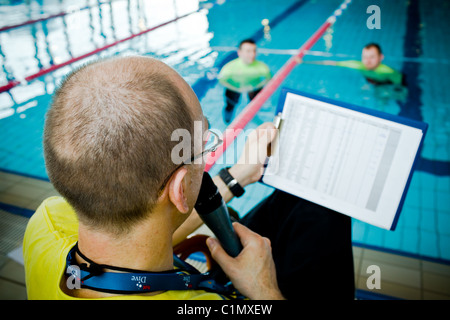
381,74
245,77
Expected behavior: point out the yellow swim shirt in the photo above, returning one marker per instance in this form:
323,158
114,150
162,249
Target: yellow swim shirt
51,232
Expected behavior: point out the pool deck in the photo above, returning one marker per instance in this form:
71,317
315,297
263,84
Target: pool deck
401,277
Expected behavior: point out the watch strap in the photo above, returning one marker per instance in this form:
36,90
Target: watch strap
232,184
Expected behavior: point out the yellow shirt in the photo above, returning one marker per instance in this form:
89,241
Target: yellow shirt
51,232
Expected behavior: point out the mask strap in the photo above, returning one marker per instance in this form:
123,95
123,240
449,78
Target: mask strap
96,269
184,278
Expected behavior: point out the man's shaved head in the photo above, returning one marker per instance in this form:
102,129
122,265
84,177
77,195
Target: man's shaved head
107,137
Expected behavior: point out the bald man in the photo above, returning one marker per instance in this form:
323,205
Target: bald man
108,152
125,201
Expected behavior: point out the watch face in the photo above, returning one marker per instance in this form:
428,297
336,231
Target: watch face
232,183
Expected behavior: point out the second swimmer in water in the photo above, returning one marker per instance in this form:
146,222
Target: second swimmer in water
241,75
370,66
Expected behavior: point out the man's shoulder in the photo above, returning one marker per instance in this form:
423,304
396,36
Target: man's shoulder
229,68
50,233
384,68
233,63
261,64
54,216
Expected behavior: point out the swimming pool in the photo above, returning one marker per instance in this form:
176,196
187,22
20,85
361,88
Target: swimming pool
411,35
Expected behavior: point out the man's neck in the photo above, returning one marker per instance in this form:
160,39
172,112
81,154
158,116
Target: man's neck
147,247
246,62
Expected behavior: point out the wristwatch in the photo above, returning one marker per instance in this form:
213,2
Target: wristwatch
232,184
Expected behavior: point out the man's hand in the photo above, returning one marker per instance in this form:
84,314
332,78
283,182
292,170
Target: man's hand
250,165
247,170
252,272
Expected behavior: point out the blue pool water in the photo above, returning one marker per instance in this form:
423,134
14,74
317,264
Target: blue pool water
412,37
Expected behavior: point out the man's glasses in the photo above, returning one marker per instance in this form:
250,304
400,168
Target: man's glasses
211,145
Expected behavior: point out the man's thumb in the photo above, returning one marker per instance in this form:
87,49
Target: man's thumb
217,252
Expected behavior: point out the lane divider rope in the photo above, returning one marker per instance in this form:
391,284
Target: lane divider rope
13,83
255,105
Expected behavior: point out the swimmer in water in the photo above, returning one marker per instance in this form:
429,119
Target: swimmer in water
244,74
370,66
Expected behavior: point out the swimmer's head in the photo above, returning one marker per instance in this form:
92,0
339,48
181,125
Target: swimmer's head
247,51
372,56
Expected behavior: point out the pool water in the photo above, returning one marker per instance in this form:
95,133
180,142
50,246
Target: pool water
412,37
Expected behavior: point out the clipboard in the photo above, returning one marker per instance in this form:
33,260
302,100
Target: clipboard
353,160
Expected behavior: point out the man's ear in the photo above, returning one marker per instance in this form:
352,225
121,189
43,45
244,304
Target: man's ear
382,57
177,194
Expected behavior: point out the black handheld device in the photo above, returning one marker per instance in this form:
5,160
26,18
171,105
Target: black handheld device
213,211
